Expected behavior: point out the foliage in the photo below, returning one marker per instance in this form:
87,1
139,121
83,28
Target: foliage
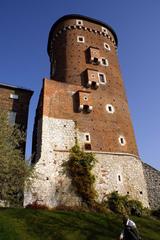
124,205
117,203
18,224
135,207
36,205
156,213
79,169
13,168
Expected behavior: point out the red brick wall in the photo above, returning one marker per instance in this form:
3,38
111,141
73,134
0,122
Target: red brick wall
20,105
104,128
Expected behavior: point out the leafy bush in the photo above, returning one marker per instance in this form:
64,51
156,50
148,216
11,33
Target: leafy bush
117,203
156,213
79,169
123,205
135,207
36,205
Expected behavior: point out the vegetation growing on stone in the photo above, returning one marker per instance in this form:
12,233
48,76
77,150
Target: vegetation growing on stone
124,205
79,169
13,168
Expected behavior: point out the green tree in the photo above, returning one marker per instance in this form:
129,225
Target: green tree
14,171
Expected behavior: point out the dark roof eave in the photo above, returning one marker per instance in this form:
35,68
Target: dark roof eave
16,87
71,16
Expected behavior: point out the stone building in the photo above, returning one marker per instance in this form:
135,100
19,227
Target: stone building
15,101
84,100
152,177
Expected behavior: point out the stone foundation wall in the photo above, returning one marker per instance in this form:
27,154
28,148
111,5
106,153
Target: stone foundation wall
152,177
113,171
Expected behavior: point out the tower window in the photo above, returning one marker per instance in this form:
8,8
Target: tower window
119,178
79,22
102,78
104,62
85,98
87,138
80,39
122,140
87,146
104,30
110,108
107,46
14,96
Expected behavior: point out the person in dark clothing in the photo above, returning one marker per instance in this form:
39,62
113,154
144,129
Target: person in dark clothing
130,231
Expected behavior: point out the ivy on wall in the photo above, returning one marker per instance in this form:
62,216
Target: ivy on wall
79,169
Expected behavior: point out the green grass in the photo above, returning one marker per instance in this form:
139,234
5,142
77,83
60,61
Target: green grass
29,224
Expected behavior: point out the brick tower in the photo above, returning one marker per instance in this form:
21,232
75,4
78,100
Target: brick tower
84,100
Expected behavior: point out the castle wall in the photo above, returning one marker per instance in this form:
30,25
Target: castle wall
104,128
152,177
113,171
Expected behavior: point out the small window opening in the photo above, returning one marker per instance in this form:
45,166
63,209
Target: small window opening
119,178
80,39
96,61
79,22
85,108
122,141
87,146
87,137
85,98
141,192
104,62
128,193
94,85
102,78
107,46
104,30
14,96
110,108
12,117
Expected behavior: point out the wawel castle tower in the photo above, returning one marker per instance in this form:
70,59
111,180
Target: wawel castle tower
84,101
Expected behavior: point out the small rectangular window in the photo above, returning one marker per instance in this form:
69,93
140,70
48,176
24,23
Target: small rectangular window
14,96
80,39
102,78
122,140
87,146
104,30
79,22
87,137
104,62
12,117
119,178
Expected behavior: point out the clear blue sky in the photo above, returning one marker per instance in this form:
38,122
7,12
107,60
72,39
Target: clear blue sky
24,28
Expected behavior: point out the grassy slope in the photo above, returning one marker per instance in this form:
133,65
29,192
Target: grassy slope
27,224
